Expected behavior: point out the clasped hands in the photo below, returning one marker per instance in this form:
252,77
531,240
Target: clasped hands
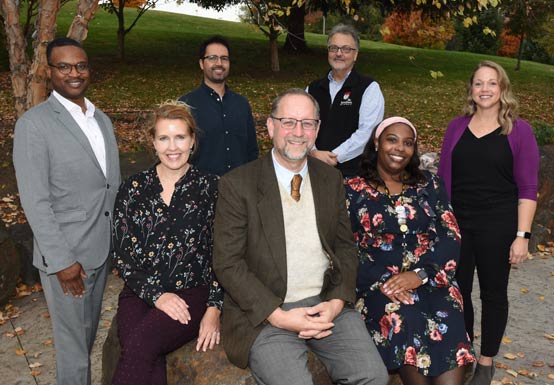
308,322
177,309
399,287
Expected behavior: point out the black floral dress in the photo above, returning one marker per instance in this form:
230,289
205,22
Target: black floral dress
429,334
160,248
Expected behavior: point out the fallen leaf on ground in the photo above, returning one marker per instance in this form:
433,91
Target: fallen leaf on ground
35,372
511,372
505,381
20,352
501,365
35,365
9,334
48,342
510,356
523,372
549,337
541,297
524,290
551,376
520,354
37,354
506,340
538,364
496,382
19,331
45,315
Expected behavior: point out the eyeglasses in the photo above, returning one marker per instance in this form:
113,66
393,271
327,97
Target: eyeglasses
215,58
66,68
343,49
290,123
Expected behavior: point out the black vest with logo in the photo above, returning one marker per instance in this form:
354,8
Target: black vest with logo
340,119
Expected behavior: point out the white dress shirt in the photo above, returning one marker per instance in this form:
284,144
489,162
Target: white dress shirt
284,175
88,125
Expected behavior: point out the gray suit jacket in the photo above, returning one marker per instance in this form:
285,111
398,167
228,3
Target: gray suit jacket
66,197
250,258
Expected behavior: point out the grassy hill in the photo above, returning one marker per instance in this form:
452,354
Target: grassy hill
162,63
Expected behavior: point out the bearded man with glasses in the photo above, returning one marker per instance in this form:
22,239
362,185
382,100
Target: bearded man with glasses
227,134
67,168
351,104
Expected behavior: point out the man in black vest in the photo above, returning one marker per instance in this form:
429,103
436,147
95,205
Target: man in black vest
351,104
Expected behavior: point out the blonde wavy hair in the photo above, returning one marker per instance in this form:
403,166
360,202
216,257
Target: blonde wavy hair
507,113
174,110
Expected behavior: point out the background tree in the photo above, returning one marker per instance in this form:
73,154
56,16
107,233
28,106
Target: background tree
525,19
28,67
117,7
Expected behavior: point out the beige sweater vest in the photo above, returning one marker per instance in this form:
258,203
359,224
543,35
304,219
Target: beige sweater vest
306,260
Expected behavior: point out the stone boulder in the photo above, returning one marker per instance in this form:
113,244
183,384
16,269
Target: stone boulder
544,217
9,265
186,366
22,235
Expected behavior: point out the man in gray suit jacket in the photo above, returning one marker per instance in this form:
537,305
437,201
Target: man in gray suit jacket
67,168
286,257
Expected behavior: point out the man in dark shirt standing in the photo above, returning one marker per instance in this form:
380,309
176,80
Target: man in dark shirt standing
227,136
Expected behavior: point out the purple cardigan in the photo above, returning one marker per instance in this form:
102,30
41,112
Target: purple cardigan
524,150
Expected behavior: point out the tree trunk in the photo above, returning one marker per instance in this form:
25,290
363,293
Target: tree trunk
46,28
520,50
16,46
121,30
86,9
121,44
295,41
274,53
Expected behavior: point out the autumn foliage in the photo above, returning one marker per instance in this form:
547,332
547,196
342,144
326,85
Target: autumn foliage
130,3
509,44
416,30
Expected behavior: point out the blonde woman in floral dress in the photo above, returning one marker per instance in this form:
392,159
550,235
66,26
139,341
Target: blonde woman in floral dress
409,244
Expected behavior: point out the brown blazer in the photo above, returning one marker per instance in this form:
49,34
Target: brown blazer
249,247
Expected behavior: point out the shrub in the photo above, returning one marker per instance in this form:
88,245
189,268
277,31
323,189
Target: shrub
509,44
544,133
414,30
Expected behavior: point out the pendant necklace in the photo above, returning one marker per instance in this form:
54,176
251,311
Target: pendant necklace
401,216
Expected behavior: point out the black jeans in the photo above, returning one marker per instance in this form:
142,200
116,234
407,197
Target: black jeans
486,241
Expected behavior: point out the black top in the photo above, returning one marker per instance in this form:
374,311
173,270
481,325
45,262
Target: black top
227,134
160,248
482,173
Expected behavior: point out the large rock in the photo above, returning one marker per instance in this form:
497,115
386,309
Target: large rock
9,265
186,366
544,218
22,235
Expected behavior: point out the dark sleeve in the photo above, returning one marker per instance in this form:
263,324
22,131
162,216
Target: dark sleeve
252,139
215,298
371,273
445,251
127,247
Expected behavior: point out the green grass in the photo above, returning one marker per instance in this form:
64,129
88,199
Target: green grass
161,64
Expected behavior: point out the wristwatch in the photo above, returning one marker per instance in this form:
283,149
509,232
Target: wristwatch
422,275
524,234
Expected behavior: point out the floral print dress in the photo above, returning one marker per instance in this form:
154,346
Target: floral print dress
429,334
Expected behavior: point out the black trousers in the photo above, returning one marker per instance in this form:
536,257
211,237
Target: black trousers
486,241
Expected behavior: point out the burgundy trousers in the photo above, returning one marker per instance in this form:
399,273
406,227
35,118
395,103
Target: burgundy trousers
147,334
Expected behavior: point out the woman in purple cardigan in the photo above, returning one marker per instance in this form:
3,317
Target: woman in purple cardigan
489,162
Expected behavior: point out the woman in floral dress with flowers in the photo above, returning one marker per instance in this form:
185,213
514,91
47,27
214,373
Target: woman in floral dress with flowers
162,241
409,243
